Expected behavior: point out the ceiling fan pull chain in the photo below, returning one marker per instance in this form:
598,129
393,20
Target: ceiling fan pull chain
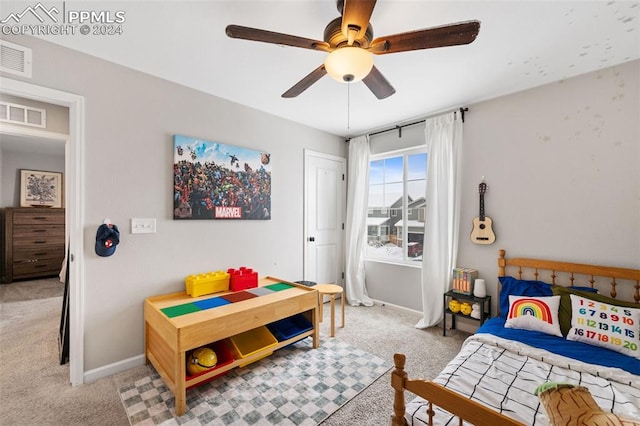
348,105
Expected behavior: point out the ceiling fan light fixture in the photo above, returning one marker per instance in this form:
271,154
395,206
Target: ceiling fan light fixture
349,64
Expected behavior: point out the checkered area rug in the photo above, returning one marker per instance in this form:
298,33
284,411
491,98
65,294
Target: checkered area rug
297,385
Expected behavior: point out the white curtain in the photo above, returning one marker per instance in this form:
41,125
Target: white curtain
444,139
356,229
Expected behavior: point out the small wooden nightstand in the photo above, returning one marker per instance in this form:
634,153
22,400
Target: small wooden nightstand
485,308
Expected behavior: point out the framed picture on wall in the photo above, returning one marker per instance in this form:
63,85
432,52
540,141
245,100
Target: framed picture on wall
40,189
212,180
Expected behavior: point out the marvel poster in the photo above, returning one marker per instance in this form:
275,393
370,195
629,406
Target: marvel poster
212,180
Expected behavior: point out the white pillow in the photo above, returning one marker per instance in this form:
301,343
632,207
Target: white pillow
601,324
534,313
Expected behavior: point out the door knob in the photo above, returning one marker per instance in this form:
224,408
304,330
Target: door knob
312,239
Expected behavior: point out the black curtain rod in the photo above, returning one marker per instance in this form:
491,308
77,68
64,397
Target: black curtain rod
399,127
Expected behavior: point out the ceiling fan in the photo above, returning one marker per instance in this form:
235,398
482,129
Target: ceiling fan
349,41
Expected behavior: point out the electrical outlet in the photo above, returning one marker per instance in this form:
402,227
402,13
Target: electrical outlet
143,226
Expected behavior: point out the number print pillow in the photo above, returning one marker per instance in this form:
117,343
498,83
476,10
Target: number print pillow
534,313
601,324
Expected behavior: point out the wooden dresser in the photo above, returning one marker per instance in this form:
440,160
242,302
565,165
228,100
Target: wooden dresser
32,243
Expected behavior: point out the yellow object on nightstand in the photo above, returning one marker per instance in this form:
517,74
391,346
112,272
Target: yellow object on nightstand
465,308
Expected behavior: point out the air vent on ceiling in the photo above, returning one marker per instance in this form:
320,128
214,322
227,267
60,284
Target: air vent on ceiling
15,59
22,114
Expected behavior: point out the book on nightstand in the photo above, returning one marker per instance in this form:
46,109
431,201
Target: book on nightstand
463,279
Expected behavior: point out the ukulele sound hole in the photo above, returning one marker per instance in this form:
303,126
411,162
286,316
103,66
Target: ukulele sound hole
482,226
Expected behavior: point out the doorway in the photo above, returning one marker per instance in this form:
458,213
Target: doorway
73,189
324,213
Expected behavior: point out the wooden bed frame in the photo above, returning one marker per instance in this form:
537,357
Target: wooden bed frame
553,272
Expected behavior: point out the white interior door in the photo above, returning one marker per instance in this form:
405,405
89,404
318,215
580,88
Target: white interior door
324,207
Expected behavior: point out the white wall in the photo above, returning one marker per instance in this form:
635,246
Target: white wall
130,121
561,165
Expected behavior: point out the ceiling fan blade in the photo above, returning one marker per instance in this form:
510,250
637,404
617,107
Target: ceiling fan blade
254,34
306,82
356,15
379,85
446,35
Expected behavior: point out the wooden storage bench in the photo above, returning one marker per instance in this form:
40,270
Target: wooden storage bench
168,338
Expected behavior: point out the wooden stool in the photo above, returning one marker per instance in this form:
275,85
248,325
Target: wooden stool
330,290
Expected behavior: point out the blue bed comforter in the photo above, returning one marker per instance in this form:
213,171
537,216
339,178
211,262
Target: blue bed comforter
561,346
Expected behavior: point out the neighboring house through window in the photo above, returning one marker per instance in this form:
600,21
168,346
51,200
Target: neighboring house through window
395,221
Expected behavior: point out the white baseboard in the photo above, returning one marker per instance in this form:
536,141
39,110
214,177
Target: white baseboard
462,324
398,307
111,369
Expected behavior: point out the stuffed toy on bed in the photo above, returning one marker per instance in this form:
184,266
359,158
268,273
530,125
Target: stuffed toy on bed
567,405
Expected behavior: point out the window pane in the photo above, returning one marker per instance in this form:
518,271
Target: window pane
393,169
376,172
395,222
416,189
393,194
385,195
415,229
376,197
417,168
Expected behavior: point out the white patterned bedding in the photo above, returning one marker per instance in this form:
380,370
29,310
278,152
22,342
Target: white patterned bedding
504,374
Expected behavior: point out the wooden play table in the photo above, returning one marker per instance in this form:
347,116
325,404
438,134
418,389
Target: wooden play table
168,338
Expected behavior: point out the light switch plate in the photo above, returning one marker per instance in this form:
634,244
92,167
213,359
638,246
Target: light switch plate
143,226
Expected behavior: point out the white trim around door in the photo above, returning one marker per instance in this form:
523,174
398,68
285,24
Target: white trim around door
74,204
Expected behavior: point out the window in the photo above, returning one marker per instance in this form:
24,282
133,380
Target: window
396,210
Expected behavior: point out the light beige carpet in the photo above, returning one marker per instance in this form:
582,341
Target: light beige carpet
34,387
35,390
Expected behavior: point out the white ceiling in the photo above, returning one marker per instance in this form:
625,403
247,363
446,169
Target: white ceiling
521,44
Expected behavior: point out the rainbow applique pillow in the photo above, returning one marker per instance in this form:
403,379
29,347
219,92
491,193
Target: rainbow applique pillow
534,313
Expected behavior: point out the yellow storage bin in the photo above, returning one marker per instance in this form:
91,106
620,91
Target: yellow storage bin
207,283
248,343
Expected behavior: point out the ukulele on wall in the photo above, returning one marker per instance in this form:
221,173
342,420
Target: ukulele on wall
482,232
